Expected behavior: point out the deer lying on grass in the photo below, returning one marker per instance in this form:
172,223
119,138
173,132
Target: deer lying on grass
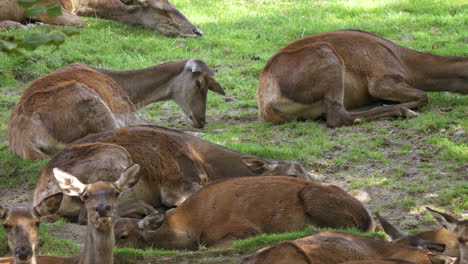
100,199
233,209
94,100
11,14
158,15
459,228
437,240
22,224
174,165
333,247
333,73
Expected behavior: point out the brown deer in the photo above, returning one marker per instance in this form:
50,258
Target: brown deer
100,199
333,247
94,100
21,225
459,228
158,15
438,240
233,209
174,166
11,14
333,73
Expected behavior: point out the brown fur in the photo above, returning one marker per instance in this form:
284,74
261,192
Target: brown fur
174,165
158,15
77,100
233,209
11,13
438,240
335,72
333,247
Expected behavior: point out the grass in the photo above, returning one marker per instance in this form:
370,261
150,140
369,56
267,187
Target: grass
404,164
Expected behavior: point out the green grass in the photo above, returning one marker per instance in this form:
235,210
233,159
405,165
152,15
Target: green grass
374,156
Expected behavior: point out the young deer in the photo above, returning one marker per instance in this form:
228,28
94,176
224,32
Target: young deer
94,100
174,165
333,73
334,247
21,225
233,209
459,228
437,240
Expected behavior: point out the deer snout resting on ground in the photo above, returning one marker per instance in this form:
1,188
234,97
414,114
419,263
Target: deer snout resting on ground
233,209
94,100
334,247
335,73
11,14
174,165
22,224
438,240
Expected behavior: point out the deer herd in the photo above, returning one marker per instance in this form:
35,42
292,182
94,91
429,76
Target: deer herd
136,184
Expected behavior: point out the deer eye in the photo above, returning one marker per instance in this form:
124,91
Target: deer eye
117,193
461,240
6,226
123,237
85,197
38,224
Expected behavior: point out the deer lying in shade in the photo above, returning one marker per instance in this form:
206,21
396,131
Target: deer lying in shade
334,73
233,209
174,165
91,100
334,247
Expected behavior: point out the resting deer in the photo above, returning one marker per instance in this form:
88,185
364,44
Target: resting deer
11,14
21,225
174,165
91,100
158,15
233,209
333,247
333,74
459,228
438,240
100,199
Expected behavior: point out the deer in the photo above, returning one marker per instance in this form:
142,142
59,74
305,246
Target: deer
225,211
174,165
93,100
22,224
12,14
158,15
438,240
336,74
459,228
333,247
100,199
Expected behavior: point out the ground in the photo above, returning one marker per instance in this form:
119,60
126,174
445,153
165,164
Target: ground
395,166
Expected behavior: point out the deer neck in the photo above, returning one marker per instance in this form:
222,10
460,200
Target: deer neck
148,85
98,248
220,162
438,73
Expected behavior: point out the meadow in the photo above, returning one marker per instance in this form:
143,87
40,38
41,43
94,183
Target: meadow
396,166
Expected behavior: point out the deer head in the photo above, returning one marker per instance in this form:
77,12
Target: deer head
129,232
21,225
163,17
191,88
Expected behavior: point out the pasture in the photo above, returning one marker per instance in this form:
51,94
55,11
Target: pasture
397,166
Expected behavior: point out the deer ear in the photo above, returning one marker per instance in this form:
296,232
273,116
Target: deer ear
128,178
49,205
445,220
69,184
214,86
152,221
3,213
389,229
196,65
258,165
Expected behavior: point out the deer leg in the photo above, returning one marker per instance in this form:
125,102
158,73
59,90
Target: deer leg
135,209
7,24
233,232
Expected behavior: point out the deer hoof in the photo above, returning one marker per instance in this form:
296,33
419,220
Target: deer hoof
357,121
411,113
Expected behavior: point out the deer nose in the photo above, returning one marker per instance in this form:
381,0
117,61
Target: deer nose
23,253
198,31
103,209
